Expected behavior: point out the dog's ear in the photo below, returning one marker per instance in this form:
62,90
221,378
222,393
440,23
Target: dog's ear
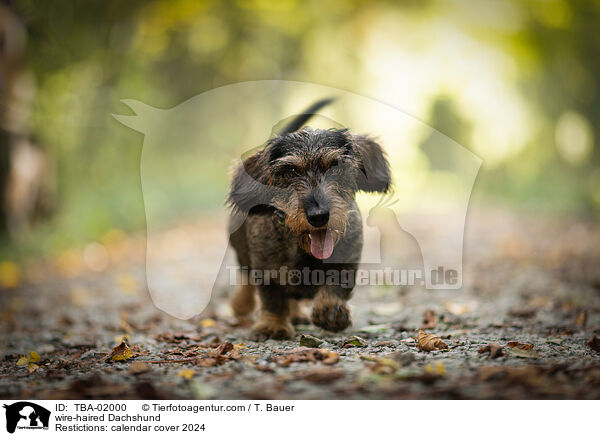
246,190
374,173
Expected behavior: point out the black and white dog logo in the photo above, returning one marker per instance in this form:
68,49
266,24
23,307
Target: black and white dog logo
26,415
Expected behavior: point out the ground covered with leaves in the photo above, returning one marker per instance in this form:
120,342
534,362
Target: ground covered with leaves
525,325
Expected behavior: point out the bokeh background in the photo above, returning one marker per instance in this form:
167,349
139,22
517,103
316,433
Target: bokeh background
516,82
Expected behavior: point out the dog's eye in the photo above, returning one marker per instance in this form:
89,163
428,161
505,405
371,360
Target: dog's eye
288,171
335,163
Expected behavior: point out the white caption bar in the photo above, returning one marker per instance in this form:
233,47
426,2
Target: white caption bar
265,418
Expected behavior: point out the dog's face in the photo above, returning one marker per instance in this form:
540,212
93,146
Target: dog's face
310,178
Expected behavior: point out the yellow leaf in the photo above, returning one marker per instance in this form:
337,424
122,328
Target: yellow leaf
32,367
10,275
121,352
208,322
186,373
28,360
34,357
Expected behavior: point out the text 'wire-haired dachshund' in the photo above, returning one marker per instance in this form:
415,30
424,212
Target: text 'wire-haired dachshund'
302,232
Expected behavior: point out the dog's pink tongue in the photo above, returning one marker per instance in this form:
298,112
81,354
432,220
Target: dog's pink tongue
321,243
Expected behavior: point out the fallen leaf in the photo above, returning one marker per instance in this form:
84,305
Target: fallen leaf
430,320
172,337
223,348
555,341
594,343
427,342
581,320
524,353
186,373
494,350
310,341
120,352
30,361
354,341
307,355
519,345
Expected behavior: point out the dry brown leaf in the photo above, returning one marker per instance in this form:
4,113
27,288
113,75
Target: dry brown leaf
430,320
120,352
172,337
494,350
427,342
581,320
303,354
519,345
223,348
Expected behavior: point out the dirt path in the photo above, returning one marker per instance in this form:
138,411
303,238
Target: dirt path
526,281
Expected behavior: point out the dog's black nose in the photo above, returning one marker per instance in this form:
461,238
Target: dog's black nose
317,216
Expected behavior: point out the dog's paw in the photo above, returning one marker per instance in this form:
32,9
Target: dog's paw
271,327
332,317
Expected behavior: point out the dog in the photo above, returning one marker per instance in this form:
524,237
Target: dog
296,198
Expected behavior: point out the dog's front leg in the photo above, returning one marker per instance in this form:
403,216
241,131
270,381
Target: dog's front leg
330,310
274,321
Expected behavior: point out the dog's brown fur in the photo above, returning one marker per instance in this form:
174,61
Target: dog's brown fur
298,178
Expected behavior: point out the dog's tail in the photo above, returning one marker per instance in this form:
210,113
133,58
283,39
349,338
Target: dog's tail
299,121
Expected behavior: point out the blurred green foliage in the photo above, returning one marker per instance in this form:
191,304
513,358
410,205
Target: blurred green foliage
514,81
